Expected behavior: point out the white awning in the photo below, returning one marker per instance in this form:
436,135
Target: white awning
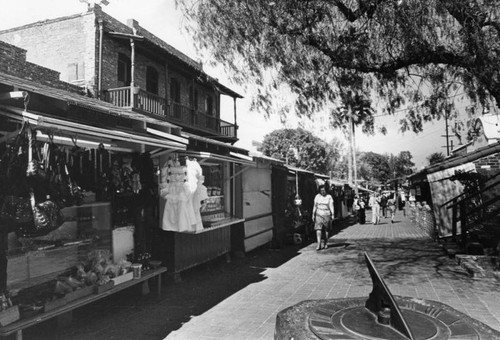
167,135
242,156
294,170
216,157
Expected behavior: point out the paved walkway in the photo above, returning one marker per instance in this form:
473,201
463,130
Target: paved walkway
410,263
240,300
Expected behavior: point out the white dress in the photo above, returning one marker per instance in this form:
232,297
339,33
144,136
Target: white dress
182,188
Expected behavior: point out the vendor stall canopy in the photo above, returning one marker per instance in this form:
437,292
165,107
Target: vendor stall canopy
70,133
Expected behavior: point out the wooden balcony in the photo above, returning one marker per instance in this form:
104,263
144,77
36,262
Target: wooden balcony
174,112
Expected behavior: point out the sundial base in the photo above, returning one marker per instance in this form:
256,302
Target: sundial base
380,317
348,319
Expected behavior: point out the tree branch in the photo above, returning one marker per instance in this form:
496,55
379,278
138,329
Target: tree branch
365,7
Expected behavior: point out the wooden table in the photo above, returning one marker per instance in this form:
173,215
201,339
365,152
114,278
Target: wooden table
18,326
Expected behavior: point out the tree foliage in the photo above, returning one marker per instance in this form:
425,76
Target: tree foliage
436,157
298,148
402,164
374,167
415,56
336,158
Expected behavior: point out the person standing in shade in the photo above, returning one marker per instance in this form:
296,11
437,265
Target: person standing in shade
361,211
391,206
322,215
383,204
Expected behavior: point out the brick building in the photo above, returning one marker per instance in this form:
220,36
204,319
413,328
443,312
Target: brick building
106,71
127,66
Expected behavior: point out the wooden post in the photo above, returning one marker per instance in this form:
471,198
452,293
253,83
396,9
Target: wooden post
463,222
454,220
132,69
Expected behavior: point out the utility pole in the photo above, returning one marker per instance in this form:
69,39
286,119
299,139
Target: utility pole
353,151
349,156
447,136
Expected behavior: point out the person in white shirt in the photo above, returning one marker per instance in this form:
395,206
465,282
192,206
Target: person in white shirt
374,203
322,215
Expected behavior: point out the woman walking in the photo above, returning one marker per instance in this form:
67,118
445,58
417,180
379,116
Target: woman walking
322,215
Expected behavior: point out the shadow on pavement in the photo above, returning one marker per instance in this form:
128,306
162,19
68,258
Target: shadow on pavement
129,315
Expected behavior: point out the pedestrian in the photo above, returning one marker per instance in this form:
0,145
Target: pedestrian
355,208
391,206
383,204
374,203
401,202
322,215
361,211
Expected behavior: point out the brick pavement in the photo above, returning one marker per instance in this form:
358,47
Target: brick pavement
408,260
240,300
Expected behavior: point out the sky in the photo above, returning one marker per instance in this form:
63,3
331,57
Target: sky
161,18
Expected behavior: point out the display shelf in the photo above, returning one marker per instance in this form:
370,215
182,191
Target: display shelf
18,326
39,266
220,223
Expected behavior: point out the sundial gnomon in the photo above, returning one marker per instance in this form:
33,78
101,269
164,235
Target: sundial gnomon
384,316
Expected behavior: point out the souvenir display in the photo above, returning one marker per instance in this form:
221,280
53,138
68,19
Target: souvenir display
60,203
183,190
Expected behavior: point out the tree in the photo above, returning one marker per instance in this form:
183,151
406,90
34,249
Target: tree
298,148
336,158
402,164
416,55
374,167
435,158
356,109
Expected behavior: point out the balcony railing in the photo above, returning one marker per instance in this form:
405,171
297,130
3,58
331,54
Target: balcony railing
174,112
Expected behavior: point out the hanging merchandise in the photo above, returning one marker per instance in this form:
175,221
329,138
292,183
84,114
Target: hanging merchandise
103,188
183,190
33,219
297,201
195,180
61,185
14,168
16,208
46,217
16,213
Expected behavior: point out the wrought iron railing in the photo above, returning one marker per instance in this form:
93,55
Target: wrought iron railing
175,112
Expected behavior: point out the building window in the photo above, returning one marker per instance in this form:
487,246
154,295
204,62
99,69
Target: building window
175,90
209,105
193,98
75,72
124,77
152,80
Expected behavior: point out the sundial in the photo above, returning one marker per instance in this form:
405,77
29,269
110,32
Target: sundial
380,317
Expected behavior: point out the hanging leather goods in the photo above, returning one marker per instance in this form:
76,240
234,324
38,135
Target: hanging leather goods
35,168
46,217
16,213
16,159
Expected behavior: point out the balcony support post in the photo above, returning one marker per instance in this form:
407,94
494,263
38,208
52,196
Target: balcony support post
132,69
235,121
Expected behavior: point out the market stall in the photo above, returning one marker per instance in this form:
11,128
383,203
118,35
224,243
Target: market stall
200,202
68,190
258,206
